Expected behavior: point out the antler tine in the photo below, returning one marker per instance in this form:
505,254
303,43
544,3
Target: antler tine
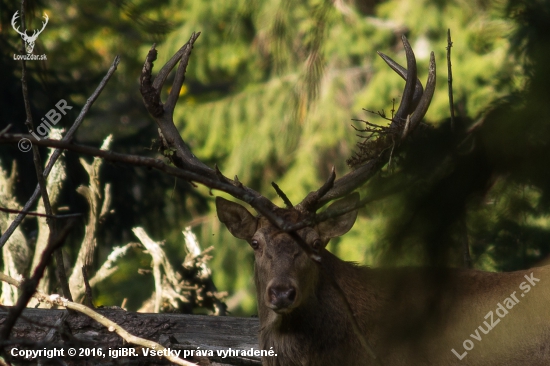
44,23
426,98
401,71
163,115
13,20
310,202
183,52
415,103
282,194
410,83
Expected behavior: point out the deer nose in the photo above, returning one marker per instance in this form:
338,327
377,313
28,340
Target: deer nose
282,296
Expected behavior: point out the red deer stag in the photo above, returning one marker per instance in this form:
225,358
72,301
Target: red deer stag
317,310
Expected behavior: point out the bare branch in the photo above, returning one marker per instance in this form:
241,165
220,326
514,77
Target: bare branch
241,193
195,253
108,267
158,260
92,194
67,138
32,213
450,79
60,268
54,183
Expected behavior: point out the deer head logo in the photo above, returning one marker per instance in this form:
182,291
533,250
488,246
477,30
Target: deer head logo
29,40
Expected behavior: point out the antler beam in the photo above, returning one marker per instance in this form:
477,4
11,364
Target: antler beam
170,136
413,107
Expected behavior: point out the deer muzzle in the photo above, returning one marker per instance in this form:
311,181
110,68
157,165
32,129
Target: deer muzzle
281,297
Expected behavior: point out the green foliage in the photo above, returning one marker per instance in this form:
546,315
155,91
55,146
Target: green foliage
270,92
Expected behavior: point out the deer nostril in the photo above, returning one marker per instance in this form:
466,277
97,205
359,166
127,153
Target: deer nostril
282,296
291,294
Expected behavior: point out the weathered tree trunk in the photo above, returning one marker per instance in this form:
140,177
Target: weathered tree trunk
178,332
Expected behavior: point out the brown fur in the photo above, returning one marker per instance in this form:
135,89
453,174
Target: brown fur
410,316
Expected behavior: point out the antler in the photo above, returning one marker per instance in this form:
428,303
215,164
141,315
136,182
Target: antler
413,107
36,33
13,19
163,114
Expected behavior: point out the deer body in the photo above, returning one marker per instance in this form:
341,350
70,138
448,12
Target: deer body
409,316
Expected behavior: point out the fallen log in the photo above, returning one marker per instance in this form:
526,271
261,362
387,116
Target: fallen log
207,340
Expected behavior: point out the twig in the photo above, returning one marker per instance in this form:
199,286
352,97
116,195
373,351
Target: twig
355,322
108,267
54,184
60,268
450,79
67,138
465,244
32,213
159,259
112,326
5,129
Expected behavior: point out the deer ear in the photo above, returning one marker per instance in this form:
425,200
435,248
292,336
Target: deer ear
339,225
236,218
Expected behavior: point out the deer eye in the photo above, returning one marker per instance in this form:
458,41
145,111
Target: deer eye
254,244
317,244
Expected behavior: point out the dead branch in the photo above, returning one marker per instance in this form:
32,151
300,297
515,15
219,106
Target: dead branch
67,138
54,183
196,258
182,288
94,197
60,268
108,267
159,259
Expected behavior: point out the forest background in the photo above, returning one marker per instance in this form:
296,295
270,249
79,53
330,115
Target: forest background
270,94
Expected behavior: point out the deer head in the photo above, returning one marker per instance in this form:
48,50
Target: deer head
29,40
285,276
